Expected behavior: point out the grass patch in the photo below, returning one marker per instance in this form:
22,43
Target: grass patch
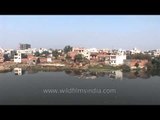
98,68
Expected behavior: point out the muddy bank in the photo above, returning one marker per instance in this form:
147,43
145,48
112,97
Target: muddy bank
5,69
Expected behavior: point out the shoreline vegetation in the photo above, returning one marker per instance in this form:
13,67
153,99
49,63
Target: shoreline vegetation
61,67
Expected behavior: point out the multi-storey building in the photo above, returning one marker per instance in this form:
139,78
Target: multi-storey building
24,46
115,59
18,58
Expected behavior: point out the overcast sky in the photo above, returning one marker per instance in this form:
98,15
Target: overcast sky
100,31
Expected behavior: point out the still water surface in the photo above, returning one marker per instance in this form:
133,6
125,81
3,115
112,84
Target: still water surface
28,88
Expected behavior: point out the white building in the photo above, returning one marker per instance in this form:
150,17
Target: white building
2,50
86,54
18,58
93,50
135,50
156,52
42,50
49,59
18,71
34,50
104,50
78,49
26,51
115,60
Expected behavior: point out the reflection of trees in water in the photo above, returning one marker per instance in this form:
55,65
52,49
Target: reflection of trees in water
45,70
154,72
73,72
68,71
93,75
136,74
32,71
101,74
110,74
77,72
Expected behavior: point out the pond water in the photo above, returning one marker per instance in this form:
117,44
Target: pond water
79,88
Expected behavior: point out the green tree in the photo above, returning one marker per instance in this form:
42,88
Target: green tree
24,56
6,57
45,52
78,57
67,49
156,63
55,53
149,66
125,68
37,54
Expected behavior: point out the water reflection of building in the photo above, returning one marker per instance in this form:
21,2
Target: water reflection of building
18,71
119,75
94,75
82,74
116,75
85,76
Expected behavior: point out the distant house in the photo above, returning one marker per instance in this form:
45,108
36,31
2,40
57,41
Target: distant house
24,60
93,56
156,53
93,50
135,51
115,59
49,59
72,54
32,59
18,58
50,55
25,51
1,58
131,63
86,54
79,50
43,60
102,55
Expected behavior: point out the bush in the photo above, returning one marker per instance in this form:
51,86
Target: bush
149,66
125,68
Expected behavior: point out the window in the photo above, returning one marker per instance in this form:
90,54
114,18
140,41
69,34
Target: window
113,57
